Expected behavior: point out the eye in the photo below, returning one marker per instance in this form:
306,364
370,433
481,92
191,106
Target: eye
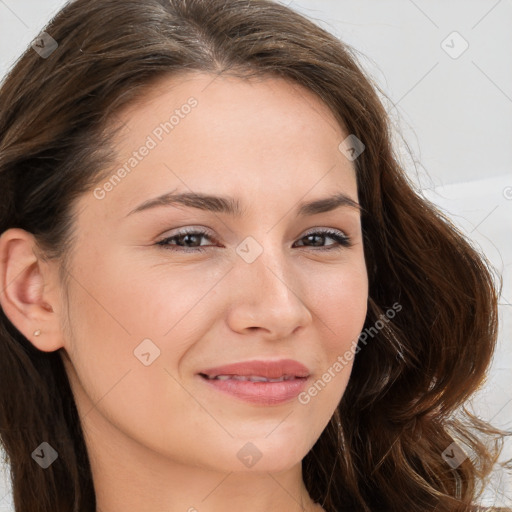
190,240
183,238
339,237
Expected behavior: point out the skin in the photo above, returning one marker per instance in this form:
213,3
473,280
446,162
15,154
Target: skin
159,438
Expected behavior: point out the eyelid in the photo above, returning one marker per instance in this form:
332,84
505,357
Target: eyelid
207,232
188,229
323,229
341,239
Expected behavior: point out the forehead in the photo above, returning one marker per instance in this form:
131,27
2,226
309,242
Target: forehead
262,137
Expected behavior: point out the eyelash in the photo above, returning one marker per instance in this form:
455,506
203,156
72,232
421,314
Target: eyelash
343,241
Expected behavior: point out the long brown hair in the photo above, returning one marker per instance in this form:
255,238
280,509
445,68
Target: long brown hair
401,410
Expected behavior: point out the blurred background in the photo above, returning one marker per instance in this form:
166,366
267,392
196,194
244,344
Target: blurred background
445,69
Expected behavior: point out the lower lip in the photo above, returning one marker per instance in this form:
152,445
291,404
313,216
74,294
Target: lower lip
264,393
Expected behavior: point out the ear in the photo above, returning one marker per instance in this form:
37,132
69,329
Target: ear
29,290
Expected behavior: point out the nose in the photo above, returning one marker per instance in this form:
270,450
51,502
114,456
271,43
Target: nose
267,297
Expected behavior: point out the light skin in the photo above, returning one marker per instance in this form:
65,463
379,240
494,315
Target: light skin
158,436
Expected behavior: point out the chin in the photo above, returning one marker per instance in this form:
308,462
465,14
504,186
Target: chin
267,454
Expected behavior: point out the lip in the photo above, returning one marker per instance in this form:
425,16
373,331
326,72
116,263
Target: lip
263,393
268,369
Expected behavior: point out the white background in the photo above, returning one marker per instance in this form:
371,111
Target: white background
453,111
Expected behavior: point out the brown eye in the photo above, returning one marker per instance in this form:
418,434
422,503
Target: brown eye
186,241
190,241
317,237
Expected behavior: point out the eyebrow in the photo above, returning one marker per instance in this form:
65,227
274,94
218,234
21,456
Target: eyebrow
231,206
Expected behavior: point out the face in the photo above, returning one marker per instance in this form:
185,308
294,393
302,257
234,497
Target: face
162,296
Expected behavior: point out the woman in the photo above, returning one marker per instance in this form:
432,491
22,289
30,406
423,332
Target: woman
311,355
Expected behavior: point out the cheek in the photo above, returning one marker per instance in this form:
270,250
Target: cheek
340,300
340,307
113,385
115,309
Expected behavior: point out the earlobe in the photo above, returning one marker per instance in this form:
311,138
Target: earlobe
26,291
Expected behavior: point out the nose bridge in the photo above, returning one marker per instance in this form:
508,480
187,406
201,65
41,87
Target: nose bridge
266,290
265,261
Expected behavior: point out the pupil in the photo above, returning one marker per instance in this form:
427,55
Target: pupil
189,237
317,237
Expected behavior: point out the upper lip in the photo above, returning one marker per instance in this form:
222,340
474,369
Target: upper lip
262,368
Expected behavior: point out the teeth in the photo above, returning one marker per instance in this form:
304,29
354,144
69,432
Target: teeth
255,378
251,378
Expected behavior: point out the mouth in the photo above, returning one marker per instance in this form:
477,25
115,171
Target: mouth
250,378
267,370
259,382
